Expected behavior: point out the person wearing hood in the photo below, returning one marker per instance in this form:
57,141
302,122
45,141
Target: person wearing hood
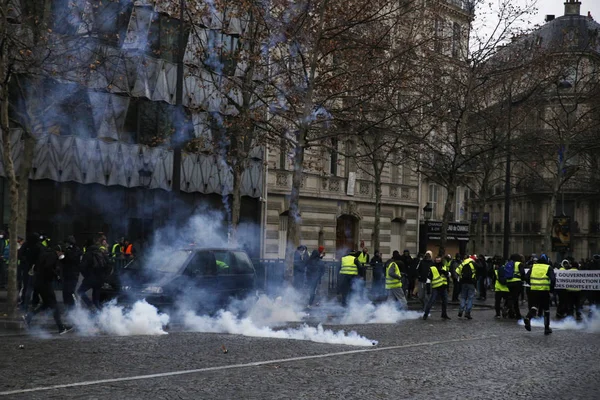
541,278
93,268
70,271
378,288
406,260
572,296
423,270
44,274
314,271
300,259
30,253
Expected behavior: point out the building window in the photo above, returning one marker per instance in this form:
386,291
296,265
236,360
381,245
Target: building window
111,19
155,122
65,16
349,161
433,199
438,35
283,155
406,175
333,158
220,53
163,38
456,39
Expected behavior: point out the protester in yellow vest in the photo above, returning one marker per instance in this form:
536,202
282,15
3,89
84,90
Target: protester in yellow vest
363,258
393,282
542,280
501,294
348,273
437,285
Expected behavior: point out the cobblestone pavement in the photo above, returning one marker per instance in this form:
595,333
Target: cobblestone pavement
415,359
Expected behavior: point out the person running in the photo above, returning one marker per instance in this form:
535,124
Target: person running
542,280
44,273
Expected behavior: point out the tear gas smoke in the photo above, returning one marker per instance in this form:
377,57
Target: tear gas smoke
384,313
590,324
141,319
227,322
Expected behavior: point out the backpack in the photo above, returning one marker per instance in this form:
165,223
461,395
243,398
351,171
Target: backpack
509,270
467,271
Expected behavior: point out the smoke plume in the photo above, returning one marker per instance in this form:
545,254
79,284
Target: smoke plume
141,319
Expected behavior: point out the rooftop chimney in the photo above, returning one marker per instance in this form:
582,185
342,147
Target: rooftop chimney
572,7
549,18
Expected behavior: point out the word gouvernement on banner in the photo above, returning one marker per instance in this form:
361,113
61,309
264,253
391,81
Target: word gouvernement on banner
583,280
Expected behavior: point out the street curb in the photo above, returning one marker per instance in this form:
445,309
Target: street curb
12,325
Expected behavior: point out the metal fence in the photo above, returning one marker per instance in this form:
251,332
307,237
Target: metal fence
270,276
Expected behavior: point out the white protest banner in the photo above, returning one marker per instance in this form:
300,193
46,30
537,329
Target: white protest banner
574,279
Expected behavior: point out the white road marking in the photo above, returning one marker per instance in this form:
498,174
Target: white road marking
245,365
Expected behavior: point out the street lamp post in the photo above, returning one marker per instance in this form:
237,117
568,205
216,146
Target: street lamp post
427,212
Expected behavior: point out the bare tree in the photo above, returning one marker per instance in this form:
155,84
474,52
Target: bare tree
39,41
456,88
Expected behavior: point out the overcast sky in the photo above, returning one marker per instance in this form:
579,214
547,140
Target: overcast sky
486,17
557,7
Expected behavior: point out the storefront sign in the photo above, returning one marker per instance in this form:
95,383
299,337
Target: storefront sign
455,231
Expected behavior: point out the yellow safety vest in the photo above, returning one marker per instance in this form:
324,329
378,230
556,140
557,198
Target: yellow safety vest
498,287
348,266
222,264
438,280
573,290
464,264
539,279
392,283
362,258
116,249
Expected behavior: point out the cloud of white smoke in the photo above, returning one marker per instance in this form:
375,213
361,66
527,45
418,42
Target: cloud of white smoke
590,324
141,319
368,313
227,322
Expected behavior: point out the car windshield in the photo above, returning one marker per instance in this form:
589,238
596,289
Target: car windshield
168,262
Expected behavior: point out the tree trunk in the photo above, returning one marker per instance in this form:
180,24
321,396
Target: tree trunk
377,222
446,218
294,210
547,247
24,173
236,202
9,169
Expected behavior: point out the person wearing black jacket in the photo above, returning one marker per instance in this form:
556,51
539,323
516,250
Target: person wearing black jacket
406,260
93,268
45,272
70,271
482,273
423,270
542,280
314,272
378,288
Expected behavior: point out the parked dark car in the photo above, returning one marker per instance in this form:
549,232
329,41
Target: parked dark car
203,279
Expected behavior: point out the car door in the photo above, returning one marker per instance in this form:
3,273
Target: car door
200,277
236,273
